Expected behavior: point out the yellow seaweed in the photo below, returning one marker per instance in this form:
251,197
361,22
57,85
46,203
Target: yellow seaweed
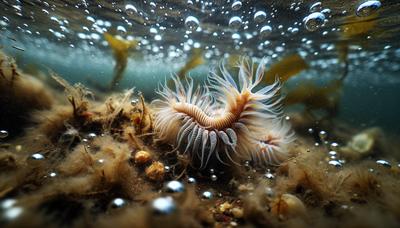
315,97
195,60
286,68
120,50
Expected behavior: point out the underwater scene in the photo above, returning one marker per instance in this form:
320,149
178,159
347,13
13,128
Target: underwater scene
199,113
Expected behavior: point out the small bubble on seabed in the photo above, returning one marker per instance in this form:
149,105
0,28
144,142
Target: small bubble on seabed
235,22
384,163
207,195
269,191
335,163
334,145
12,213
314,21
7,203
265,30
37,156
322,135
236,5
53,174
134,102
269,176
118,203
3,134
91,136
310,130
130,9
368,8
316,7
332,153
214,177
191,180
174,186
192,23
167,169
260,16
163,205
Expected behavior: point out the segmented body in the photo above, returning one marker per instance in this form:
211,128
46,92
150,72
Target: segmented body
221,119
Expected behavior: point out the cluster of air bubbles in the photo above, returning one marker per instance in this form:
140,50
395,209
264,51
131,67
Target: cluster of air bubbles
163,205
368,8
236,5
317,17
3,134
260,16
9,210
174,186
192,23
235,22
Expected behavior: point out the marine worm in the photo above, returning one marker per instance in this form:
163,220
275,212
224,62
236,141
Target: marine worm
224,120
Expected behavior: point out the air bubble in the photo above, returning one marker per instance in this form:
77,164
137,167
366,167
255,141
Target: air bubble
316,7
163,205
265,30
118,203
235,22
236,5
130,9
260,16
191,180
313,21
192,23
368,8
207,195
335,163
384,163
121,30
322,135
3,134
37,157
174,186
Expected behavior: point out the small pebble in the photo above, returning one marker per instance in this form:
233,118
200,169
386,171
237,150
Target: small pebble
142,157
155,171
